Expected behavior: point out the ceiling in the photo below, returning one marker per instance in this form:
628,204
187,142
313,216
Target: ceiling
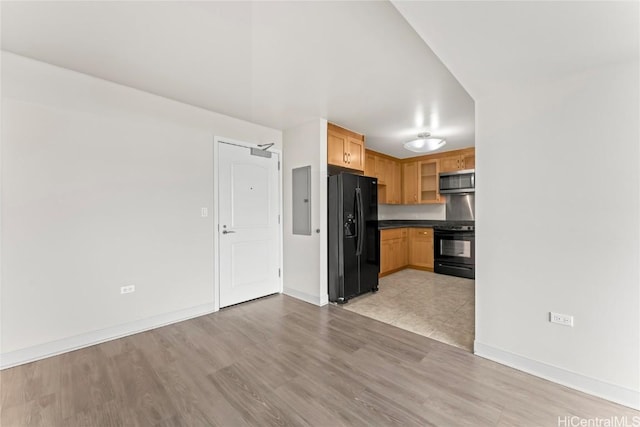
279,64
359,64
496,45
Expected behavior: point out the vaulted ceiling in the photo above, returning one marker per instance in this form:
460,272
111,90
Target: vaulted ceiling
359,64
491,45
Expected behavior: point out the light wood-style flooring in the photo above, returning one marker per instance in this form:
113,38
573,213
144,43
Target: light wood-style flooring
434,305
280,361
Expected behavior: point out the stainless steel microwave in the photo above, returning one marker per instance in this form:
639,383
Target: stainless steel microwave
463,181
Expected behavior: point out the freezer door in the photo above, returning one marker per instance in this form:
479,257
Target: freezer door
343,232
369,260
351,234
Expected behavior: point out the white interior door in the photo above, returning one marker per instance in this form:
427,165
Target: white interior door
248,217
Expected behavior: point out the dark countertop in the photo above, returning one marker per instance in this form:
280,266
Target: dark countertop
417,223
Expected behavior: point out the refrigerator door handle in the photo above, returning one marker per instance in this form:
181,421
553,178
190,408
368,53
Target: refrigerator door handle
360,222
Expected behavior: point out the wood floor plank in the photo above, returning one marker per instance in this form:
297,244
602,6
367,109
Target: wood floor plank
281,361
258,404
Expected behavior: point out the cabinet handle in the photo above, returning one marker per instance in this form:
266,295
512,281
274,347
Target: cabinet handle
344,157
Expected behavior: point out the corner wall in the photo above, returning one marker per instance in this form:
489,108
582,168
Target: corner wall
558,229
102,187
305,257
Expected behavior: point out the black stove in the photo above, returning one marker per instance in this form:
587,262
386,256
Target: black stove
454,250
455,227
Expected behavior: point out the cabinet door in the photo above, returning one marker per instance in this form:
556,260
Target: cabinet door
404,252
393,249
386,256
336,148
389,181
381,169
355,153
421,247
450,164
370,165
429,184
397,184
469,161
410,183
393,254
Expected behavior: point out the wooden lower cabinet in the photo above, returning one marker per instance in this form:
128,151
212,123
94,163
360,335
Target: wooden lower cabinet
394,250
405,247
421,248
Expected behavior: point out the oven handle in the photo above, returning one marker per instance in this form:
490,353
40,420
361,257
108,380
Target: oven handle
441,264
464,235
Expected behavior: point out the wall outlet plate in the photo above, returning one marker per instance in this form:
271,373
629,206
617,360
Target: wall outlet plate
127,289
561,319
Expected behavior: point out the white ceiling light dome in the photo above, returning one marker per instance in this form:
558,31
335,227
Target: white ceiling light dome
425,143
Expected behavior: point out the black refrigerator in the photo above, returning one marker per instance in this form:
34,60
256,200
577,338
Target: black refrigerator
354,239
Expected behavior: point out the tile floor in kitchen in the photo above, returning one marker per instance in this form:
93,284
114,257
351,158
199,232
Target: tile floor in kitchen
434,305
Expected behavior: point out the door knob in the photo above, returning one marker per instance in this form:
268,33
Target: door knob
227,232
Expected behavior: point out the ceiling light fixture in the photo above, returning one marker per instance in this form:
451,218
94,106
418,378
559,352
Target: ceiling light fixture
424,143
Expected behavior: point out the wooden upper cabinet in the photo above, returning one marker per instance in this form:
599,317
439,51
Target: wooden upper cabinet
355,153
450,164
375,166
416,180
336,143
394,183
389,175
410,183
428,185
382,170
469,161
345,148
420,182
370,165
458,162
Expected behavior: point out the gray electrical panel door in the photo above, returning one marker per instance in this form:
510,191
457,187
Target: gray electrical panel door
302,200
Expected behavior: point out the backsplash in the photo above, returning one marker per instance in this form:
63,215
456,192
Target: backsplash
436,212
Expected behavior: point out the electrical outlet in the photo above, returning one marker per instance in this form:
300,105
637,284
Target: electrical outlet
561,319
204,212
128,289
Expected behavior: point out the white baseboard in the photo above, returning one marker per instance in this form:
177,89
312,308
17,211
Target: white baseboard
311,299
41,351
612,392
324,299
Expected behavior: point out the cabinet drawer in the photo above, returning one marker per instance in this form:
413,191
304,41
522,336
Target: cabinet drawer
421,233
393,233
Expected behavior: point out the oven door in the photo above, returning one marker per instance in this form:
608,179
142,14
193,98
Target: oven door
455,246
454,253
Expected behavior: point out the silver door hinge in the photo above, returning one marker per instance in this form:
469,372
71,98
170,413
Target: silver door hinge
279,273
278,164
278,219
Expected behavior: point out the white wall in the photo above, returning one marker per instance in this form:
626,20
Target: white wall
433,212
102,186
558,229
305,257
